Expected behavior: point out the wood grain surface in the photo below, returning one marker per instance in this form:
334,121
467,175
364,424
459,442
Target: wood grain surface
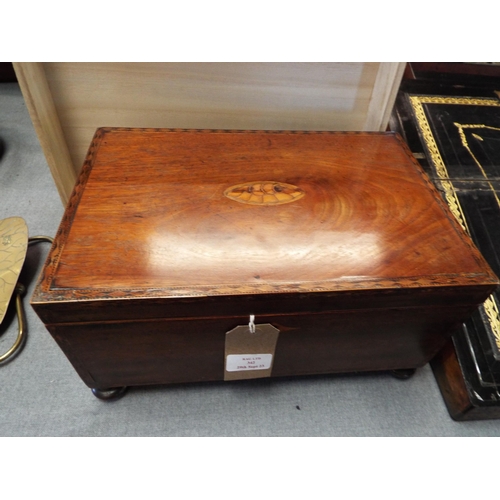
151,213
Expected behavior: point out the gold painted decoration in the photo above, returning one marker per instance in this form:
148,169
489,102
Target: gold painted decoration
264,193
13,248
448,189
461,128
490,306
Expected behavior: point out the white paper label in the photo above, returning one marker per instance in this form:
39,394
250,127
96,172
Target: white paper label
246,362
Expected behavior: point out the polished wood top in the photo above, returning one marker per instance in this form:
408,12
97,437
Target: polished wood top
157,212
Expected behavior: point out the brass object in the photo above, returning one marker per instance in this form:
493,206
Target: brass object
14,243
264,193
13,248
490,306
21,321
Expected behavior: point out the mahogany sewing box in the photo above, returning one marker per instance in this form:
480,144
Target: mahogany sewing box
173,238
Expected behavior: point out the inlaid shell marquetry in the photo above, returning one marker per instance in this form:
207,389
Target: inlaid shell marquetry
264,193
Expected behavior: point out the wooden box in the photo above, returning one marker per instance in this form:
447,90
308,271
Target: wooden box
172,238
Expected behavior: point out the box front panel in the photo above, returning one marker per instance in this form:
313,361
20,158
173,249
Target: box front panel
174,351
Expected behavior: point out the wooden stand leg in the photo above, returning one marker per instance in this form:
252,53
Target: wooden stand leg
403,374
111,394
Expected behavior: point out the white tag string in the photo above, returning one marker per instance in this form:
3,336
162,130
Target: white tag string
251,325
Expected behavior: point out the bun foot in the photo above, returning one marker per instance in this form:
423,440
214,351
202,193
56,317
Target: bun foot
111,394
403,374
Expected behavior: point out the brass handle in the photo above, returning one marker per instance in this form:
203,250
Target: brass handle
21,321
38,239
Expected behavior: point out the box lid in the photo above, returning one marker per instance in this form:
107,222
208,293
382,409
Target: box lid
198,213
